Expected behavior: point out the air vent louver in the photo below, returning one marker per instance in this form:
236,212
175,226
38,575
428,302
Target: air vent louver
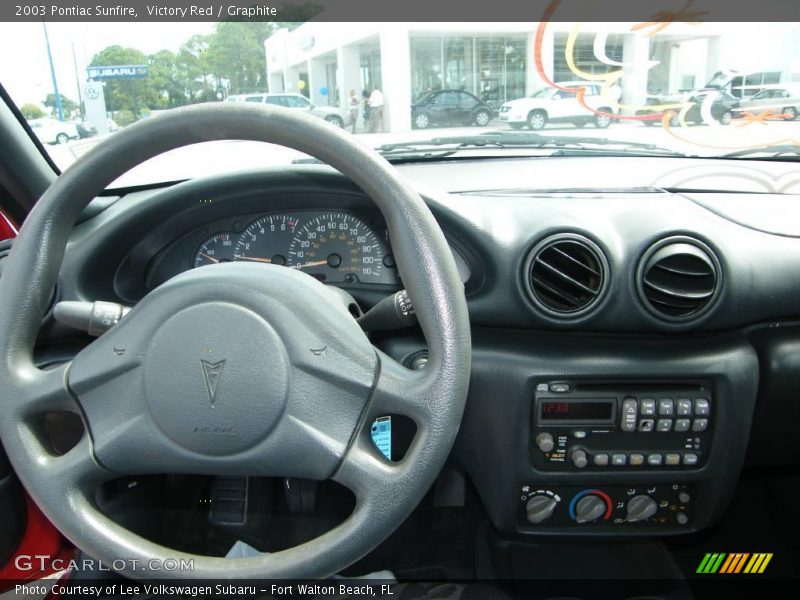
566,274
679,278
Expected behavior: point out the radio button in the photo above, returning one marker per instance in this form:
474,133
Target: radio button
700,425
579,435
619,460
664,425
684,407
690,459
628,419
559,388
579,458
654,460
647,425
682,425
701,407
647,407
682,518
666,407
601,460
672,459
637,460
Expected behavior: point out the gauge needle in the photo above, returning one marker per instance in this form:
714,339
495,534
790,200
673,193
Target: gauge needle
254,258
315,263
211,258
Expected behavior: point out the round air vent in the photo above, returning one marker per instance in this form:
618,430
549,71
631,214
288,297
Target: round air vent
566,274
679,278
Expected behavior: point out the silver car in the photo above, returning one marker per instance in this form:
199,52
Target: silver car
781,100
332,114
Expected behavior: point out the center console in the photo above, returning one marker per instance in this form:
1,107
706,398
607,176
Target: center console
569,435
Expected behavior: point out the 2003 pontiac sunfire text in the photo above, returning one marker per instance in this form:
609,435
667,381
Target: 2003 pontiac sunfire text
153,10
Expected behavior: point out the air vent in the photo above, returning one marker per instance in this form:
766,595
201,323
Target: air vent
679,278
566,274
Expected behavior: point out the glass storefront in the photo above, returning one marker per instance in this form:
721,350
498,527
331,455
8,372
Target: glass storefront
371,70
492,68
584,56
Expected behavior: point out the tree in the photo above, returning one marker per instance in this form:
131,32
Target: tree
31,111
67,105
236,54
136,95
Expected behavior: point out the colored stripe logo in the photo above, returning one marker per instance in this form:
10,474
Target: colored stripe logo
733,563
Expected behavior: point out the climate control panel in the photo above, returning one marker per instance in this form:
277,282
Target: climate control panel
651,506
599,426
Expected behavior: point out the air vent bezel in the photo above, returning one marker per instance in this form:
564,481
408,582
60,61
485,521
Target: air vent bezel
598,253
644,261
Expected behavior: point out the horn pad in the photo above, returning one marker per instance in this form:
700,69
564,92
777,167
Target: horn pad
216,378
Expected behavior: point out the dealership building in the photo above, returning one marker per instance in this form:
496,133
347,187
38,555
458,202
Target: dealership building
495,61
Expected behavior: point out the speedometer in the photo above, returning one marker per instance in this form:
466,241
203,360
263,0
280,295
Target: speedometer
340,248
265,240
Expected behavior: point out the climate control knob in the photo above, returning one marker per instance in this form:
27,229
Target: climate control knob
641,508
540,508
590,508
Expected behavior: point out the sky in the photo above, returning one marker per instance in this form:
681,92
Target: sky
24,70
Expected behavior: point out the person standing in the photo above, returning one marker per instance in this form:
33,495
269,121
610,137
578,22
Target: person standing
353,103
365,96
375,103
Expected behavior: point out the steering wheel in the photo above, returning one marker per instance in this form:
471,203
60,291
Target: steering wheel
233,369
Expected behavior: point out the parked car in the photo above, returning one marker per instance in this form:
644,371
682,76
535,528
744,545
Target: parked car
553,105
746,85
784,100
332,114
450,107
53,131
722,107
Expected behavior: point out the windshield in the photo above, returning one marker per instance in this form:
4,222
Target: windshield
639,84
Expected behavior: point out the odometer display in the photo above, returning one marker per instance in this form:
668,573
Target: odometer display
340,248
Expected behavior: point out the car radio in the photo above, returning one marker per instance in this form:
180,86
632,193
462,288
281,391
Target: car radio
579,425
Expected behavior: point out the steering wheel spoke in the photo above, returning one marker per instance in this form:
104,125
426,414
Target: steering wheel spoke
45,390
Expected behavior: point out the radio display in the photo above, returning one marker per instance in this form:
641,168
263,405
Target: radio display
577,410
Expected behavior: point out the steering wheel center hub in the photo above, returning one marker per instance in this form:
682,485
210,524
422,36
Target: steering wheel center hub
216,378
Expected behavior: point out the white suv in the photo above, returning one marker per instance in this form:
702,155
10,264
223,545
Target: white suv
332,114
551,105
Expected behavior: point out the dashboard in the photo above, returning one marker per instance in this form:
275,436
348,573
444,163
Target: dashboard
635,332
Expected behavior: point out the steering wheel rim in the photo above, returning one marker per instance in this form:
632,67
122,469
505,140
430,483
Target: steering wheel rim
385,492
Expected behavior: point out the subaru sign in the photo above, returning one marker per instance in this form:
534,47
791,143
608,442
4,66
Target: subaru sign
117,72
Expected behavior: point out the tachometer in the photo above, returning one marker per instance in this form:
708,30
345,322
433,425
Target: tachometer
265,240
340,248
215,249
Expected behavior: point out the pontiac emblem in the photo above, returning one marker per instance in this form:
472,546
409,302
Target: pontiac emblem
211,374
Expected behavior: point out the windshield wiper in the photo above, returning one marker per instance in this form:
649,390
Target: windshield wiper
500,139
773,152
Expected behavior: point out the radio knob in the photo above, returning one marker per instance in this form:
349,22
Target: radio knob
545,441
579,458
641,508
540,508
590,508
